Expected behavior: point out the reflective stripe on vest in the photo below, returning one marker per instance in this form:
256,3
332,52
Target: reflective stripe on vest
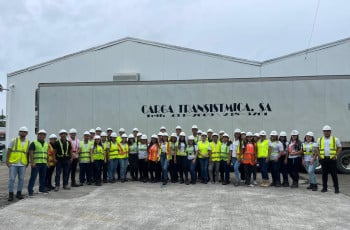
133,148
84,155
215,151
40,153
50,159
153,153
263,149
98,153
113,150
179,153
249,154
191,154
123,150
203,149
224,152
274,155
19,153
63,154
332,147
310,149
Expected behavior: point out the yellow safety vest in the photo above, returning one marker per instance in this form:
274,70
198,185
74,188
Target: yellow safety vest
310,150
203,149
179,153
40,153
224,152
19,153
113,150
84,155
123,150
332,147
263,148
98,153
215,151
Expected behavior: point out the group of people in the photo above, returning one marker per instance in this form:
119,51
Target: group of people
201,156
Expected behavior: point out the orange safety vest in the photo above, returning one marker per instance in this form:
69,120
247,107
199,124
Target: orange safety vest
153,153
50,161
249,154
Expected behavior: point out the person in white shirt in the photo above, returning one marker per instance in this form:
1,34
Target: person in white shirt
75,143
276,153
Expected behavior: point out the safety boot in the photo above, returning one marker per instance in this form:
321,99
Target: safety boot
10,196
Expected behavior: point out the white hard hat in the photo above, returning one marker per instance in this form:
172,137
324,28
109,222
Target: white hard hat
256,134
160,134
199,131
221,132
154,136
294,133
183,134
52,136
92,131
23,129
121,130
173,135
204,134
210,131
131,136
311,134
103,134
72,130
249,134
114,134
98,129
97,137
242,132
124,135
274,133
109,129
283,134
226,135
237,131
143,137
86,133
62,131
190,138
161,128
135,129
165,134
215,134
42,131
326,128
139,134
194,127
262,133
178,127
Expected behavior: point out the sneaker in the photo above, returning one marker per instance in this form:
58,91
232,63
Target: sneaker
324,190
57,188
251,185
66,187
44,192
30,195
255,183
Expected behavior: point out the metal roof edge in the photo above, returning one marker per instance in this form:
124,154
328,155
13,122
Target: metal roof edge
310,50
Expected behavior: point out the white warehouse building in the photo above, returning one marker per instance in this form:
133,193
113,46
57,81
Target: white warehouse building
146,61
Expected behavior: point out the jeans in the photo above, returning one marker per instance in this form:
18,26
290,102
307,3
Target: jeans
192,168
84,173
236,164
122,162
204,163
329,166
310,168
164,165
263,166
62,165
293,168
225,169
214,170
41,169
275,172
112,167
13,172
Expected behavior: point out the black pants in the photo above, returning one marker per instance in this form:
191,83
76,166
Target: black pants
152,168
97,170
248,169
181,164
143,169
105,171
283,169
329,166
241,171
49,174
293,168
134,165
73,169
172,168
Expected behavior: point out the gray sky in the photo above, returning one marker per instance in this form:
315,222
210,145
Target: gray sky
35,31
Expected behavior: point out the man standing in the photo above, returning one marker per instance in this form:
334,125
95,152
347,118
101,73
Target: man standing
328,149
17,161
38,157
63,157
75,144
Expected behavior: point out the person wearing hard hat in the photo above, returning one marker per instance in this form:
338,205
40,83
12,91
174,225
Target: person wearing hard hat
133,157
210,135
38,158
92,135
85,160
135,132
122,156
181,156
328,150
221,134
109,132
142,156
276,153
263,153
75,143
195,133
121,132
50,162
283,167
173,168
256,138
105,142
309,159
178,130
214,160
160,136
191,150
138,138
293,160
225,159
165,156
235,150
111,155
162,129
203,155
153,159
17,161
97,157
248,157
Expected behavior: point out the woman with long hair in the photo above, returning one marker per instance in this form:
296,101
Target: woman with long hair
98,158
293,159
153,159
310,159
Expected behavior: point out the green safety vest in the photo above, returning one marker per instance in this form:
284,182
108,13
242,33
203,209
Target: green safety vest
203,149
19,153
274,155
98,153
224,152
190,150
263,148
84,155
215,150
133,148
40,153
332,147
179,153
113,150
310,150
